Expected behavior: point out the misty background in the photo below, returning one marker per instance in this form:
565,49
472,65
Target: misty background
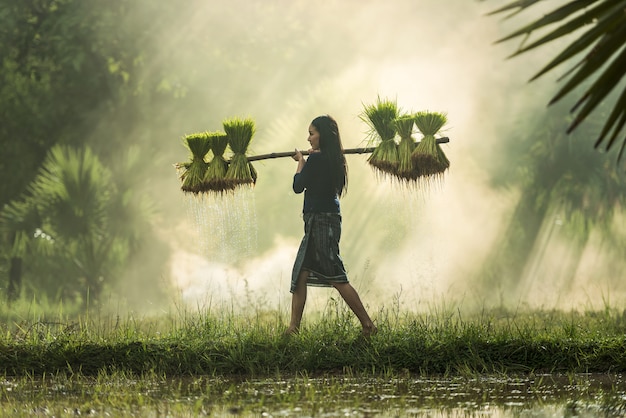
525,217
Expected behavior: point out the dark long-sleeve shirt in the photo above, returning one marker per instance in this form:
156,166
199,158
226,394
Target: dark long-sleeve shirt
316,182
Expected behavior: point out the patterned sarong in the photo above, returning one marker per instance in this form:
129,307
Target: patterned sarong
319,251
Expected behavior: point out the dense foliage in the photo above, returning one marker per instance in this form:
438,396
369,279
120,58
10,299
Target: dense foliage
73,87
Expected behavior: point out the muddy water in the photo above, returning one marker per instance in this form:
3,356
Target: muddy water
334,396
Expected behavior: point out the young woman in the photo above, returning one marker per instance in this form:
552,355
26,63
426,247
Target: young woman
323,179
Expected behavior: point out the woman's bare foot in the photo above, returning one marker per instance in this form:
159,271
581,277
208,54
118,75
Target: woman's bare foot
369,330
291,331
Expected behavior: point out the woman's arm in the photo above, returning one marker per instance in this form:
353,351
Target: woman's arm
300,159
303,172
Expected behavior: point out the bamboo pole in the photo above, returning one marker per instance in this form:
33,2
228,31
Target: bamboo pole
366,150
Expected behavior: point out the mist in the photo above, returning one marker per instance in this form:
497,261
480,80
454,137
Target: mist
412,246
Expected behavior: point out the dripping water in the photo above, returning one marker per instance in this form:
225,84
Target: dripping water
226,225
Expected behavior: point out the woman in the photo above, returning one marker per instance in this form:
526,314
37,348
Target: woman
323,179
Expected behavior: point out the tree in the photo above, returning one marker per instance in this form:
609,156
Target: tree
559,181
76,228
67,68
18,223
602,67
48,54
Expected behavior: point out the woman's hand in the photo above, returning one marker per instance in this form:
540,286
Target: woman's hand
300,159
298,155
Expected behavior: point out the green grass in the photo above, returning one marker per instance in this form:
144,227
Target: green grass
228,344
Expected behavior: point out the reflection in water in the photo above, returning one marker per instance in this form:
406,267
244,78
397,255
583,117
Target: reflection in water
330,396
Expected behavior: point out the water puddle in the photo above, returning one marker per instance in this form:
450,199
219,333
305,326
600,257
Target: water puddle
333,396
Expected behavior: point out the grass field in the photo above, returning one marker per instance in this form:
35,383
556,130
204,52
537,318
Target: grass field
45,341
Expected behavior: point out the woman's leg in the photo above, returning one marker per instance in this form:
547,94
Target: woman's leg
350,295
298,299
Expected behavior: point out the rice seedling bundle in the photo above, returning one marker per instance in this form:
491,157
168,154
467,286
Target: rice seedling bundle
240,133
406,168
193,173
428,157
215,178
381,117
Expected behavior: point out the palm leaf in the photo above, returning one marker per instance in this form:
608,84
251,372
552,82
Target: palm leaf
556,16
620,108
520,4
592,64
572,50
605,83
607,39
20,219
71,188
621,149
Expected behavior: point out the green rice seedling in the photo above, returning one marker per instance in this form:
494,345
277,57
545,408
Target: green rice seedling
193,173
381,117
240,132
385,157
215,178
428,156
406,168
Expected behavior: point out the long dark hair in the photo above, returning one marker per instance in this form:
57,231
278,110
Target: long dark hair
332,150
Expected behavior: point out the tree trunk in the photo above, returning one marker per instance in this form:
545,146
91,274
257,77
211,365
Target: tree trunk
15,279
501,274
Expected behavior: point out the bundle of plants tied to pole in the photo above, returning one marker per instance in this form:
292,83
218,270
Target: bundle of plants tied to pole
240,170
406,168
199,176
381,117
215,178
219,162
428,157
194,172
404,158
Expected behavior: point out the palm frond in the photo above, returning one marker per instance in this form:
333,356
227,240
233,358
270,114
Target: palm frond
605,63
72,187
20,219
556,16
592,64
575,48
519,4
619,109
599,90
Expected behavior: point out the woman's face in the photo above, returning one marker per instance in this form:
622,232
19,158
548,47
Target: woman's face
314,137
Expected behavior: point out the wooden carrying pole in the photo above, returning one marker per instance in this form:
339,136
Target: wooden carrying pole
443,140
